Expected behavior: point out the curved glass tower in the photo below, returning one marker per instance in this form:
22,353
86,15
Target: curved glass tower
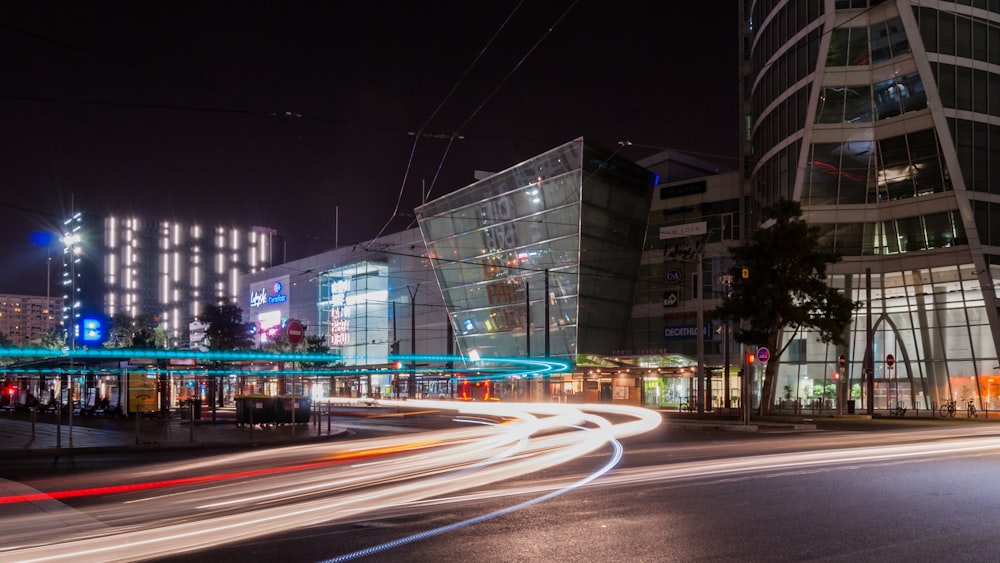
883,119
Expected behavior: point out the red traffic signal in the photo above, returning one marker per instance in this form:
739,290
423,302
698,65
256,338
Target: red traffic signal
751,358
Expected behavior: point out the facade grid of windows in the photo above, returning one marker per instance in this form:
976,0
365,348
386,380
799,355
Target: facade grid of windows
893,193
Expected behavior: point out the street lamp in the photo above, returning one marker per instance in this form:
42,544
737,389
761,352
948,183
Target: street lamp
71,243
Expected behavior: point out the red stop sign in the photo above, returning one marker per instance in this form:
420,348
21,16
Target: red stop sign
294,332
890,360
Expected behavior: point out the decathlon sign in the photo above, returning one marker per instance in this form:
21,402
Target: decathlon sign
686,331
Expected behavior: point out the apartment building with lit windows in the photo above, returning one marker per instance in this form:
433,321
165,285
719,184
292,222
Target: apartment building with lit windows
25,319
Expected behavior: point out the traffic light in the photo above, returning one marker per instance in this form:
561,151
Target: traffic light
751,358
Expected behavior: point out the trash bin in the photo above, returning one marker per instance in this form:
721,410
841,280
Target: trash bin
850,406
185,408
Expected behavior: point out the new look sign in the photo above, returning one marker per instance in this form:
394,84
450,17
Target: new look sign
686,230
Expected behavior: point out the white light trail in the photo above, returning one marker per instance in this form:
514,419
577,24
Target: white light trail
406,470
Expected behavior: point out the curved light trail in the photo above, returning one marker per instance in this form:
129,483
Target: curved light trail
217,504
488,366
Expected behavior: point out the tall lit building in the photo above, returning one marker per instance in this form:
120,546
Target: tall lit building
165,270
883,119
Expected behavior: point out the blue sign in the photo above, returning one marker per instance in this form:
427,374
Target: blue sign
90,330
674,276
763,355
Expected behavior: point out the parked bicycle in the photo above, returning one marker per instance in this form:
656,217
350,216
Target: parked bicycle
948,409
898,411
970,410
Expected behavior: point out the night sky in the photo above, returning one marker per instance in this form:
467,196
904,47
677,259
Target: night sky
279,114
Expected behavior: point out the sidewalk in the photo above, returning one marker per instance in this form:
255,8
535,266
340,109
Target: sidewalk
93,434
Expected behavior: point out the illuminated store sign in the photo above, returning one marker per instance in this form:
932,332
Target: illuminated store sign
261,298
340,325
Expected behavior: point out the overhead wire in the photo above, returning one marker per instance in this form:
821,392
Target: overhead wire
456,133
419,133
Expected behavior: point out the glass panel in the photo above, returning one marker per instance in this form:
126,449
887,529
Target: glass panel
824,172
897,36
849,238
912,94
858,48
858,104
887,99
929,29
946,33
856,165
895,176
911,234
924,155
946,84
837,55
994,45
963,88
963,36
831,105
939,230
979,47
880,43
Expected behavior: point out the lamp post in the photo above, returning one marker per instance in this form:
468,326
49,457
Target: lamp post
71,242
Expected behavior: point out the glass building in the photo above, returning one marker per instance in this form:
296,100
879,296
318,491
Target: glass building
883,119
366,302
541,259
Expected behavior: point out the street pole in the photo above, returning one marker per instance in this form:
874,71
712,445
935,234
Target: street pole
703,398
412,392
869,345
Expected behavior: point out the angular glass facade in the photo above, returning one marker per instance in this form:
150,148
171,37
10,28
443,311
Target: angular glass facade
560,234
885,134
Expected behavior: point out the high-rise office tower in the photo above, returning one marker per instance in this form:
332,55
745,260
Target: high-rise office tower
883,119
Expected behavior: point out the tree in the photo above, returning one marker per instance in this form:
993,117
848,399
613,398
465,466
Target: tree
5,343
786,289
54,339
142,332
225,327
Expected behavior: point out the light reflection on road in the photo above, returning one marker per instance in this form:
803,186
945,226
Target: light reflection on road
282,489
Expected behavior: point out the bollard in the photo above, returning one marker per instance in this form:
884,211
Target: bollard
138,423
191,428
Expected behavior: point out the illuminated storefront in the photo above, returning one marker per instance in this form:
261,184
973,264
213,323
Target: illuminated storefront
266,308
353,311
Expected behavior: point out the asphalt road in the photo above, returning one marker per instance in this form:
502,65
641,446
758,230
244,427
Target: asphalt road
889,504
848,491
